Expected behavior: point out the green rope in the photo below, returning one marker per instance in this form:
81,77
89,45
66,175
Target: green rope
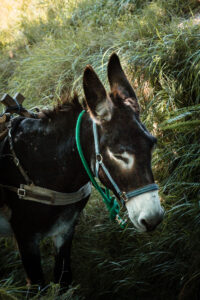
110,201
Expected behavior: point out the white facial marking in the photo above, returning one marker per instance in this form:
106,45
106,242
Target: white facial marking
125,160
145,209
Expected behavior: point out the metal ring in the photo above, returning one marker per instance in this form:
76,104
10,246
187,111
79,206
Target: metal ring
124,196
99,158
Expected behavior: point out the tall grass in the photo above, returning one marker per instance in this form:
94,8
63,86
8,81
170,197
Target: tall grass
43,55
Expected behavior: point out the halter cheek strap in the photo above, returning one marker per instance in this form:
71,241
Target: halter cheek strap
110,201
99,161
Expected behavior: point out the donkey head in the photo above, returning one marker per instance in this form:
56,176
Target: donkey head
125,143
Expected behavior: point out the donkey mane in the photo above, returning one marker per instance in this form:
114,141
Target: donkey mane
67,103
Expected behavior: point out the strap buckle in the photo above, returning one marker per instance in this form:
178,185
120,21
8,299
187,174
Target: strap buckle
21,193
124,196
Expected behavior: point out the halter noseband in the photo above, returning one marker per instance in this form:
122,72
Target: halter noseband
123,196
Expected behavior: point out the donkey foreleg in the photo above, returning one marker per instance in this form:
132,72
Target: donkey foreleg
62,268
30,255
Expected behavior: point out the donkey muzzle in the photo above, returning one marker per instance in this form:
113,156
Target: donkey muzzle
145,211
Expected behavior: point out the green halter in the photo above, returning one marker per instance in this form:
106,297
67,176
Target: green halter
110,201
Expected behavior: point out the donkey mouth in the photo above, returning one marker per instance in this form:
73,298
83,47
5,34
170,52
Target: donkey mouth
150,224
142,225
145,211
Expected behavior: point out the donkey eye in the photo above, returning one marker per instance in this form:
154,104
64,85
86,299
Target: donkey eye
119,156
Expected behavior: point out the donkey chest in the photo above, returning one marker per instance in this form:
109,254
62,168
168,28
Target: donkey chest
61,229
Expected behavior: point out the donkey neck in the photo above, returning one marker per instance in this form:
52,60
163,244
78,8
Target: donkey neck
64,125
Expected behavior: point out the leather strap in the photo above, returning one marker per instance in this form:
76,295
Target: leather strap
15,159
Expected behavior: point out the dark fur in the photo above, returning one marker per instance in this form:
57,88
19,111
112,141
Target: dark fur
46,149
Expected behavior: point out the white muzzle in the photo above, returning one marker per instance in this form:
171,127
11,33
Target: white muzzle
145,211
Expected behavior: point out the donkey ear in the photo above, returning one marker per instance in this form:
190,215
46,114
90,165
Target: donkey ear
117,78
100,106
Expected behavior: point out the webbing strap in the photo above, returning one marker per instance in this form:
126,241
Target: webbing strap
145,189
99,160
110,178
85,164
96,145
46,196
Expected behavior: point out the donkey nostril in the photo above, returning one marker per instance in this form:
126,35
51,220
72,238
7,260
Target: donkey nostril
143,222
148,226
150,222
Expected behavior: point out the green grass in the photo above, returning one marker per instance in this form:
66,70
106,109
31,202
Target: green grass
43,53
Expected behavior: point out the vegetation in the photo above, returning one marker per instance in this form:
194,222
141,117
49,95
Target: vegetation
44,47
